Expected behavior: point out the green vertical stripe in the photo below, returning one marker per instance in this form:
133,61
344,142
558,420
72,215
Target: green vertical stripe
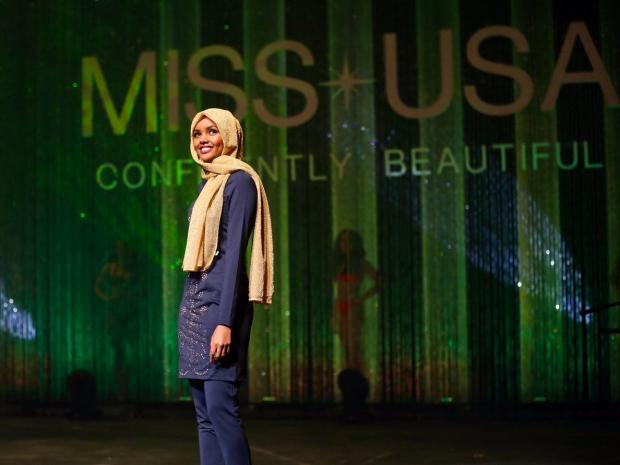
541,343
352,123
610,39
270,355
444,358
179,28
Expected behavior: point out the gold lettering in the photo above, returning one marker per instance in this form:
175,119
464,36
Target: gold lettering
265,75
500,69
447,79
92,76
193,72
172,66
561,76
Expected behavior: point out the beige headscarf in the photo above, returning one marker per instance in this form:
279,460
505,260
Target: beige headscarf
204,225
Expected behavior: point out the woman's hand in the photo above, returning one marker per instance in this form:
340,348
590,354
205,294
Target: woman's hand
220,343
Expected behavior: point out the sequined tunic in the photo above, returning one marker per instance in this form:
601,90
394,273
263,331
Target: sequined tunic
219,296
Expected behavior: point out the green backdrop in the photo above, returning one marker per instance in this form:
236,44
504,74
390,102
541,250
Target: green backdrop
467,151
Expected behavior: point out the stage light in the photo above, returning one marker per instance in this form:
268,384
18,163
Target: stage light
15,321
355,389
82,396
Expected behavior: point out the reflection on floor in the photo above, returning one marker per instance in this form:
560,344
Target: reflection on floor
172,441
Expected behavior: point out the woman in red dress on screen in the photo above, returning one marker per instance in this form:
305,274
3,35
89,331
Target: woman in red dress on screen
350,269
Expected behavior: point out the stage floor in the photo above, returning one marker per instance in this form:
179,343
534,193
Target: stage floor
172,441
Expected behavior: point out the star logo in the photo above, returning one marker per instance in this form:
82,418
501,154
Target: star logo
347,82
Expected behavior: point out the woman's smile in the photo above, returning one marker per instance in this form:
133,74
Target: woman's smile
204,149
207,140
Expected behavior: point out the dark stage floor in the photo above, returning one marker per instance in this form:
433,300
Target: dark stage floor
52,441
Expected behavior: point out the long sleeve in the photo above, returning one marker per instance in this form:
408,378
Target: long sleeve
240,222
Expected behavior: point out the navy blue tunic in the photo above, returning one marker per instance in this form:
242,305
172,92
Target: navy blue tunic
219,296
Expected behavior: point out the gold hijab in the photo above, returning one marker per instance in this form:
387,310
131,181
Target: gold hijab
202,235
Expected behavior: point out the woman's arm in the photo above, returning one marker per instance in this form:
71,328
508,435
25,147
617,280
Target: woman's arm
99,284
241,215
374,275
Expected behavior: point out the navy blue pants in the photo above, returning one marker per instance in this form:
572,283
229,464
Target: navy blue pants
221,436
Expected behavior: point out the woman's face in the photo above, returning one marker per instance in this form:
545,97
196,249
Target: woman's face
207,140
345,242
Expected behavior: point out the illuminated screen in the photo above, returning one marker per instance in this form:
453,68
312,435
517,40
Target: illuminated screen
442,176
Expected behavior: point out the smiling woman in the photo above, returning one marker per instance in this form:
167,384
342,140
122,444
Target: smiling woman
207,140
215,314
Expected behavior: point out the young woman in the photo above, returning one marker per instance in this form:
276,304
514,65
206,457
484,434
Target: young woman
350,269
215,314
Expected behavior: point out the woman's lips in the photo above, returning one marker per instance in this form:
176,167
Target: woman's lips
205,149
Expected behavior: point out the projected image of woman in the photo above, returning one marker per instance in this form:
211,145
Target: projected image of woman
350,268
216,313
119,287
